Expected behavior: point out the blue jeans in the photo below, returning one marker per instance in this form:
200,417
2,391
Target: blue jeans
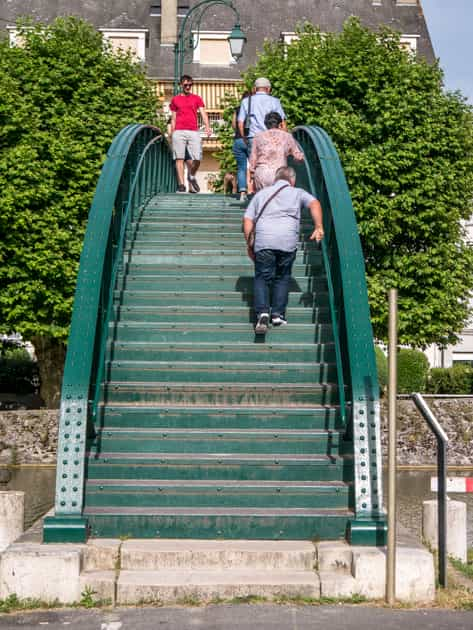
241,153
272,272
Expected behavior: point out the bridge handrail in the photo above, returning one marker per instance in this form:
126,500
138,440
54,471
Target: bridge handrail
322,174
138,166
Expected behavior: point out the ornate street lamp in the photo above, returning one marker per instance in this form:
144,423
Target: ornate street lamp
189,32
237,39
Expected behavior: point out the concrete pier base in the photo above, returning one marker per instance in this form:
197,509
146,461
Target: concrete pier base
456,527
46,572
170,571
11,517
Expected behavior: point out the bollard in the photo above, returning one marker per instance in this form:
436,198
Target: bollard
456,526
392,443
11,516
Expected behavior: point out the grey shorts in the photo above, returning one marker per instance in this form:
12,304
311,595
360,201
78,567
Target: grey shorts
190,140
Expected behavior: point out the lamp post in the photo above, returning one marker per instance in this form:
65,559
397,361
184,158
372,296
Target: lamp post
189,36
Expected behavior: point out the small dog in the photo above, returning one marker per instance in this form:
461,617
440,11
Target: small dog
229,184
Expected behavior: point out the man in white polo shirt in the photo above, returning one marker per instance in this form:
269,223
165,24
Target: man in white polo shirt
258,105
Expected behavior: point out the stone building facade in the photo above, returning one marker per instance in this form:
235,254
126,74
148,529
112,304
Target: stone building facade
150,28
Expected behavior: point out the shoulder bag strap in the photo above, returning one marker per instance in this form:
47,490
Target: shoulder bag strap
267,202
248,116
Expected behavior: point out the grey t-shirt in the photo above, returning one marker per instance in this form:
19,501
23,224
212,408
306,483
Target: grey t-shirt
278,227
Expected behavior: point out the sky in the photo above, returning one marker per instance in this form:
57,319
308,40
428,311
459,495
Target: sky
450,24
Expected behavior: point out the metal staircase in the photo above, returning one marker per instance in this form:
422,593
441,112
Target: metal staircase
192,427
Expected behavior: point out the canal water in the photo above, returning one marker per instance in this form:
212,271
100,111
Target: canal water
413,487
38,484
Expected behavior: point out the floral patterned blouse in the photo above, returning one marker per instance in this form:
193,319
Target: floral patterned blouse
269,152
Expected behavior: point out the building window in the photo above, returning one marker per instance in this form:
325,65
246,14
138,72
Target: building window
465,358
14,37
288,37
409,43
212,48
182,8
215,121
133,40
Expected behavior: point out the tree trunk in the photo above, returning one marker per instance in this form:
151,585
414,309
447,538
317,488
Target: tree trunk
51,354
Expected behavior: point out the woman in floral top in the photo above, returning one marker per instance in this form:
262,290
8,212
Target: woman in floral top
270,150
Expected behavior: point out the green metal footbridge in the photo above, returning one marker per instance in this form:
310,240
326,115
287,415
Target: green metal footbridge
175,420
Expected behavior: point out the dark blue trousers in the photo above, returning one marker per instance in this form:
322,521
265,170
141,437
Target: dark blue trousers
272,276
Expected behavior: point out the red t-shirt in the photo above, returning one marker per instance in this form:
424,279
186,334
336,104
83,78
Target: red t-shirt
186,107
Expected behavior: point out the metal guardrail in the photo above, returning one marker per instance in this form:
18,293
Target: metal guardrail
442,442
322,174
439,396
138,166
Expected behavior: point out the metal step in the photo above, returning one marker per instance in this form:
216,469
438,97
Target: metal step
219,493
234,332
134,297
247,523
230,371
218,417
222,441
202,258
225,269
241,466
222,314
203,394
218,351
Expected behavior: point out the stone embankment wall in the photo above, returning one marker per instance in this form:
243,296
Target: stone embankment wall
29,437
416,444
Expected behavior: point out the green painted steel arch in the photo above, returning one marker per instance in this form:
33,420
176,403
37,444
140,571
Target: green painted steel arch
322,173
138,166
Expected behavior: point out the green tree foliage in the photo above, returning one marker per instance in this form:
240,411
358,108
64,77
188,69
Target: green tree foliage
226,134
382,368
412,371
407,150
63,97
457,379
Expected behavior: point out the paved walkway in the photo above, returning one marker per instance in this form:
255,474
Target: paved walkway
243,617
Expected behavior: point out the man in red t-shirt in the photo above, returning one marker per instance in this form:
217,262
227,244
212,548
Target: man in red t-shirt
185,133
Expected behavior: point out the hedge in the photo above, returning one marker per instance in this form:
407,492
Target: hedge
457,379
412,371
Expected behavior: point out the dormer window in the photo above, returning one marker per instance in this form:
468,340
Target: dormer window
128,40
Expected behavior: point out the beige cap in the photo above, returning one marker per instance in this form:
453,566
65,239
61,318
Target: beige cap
262,82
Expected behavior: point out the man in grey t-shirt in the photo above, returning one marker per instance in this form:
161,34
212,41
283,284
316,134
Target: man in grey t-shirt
276,238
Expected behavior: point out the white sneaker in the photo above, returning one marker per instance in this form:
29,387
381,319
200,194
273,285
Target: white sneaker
243,196
278,320
262,324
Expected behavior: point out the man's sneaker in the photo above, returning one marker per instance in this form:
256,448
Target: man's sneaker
181,188
278,320
243,196
193,185
262,324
